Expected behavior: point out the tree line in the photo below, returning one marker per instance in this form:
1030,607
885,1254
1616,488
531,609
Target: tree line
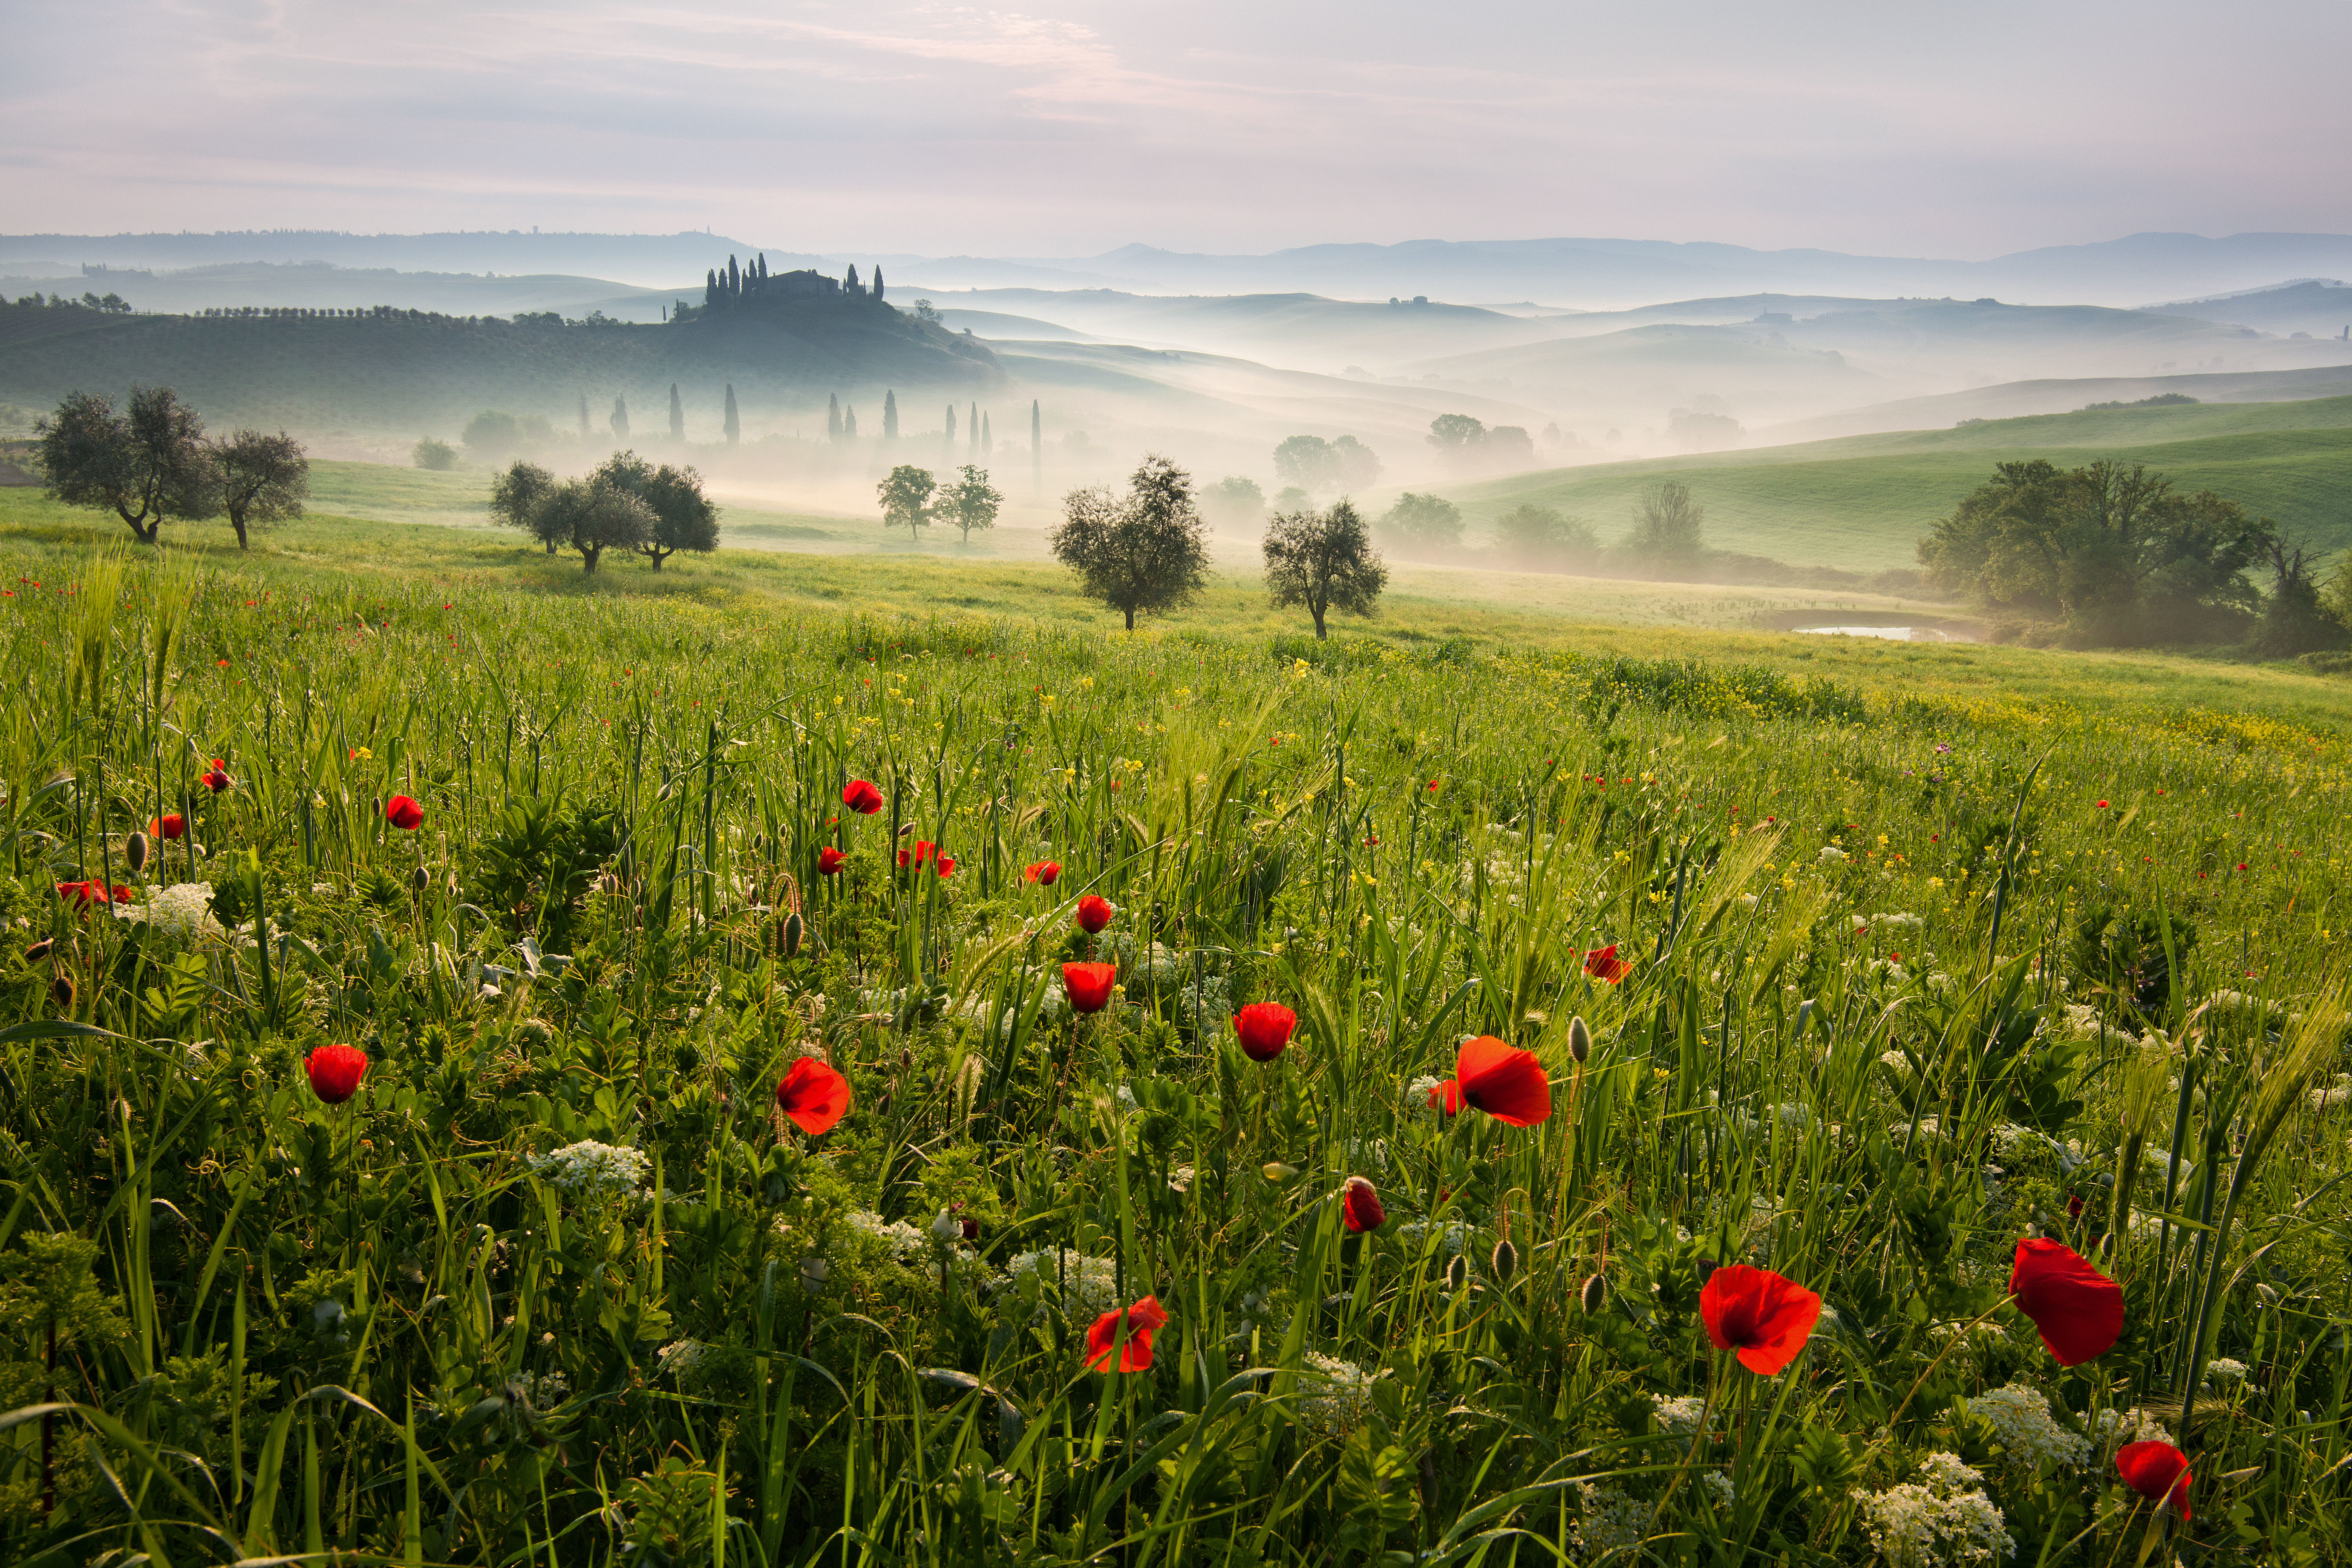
150,463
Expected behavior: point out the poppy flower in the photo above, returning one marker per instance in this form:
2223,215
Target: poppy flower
1095,912
1140,1322
216,780
945,865
1042,873
2078,1309
1360,1205
403,813
1088,984
173,826
1505,1082
862,797
916,856
335,1072
828,860
814,1096
2158,1471
1264,1029
1759,1315
85,894
1604,965
1446,1096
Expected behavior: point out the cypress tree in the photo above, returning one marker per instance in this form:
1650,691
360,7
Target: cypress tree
734,425
947,442
987,437
973,430
762,263
620,420
849,424
849,284
677,414
734,278
583,414
877,283
889,402
832,417
710,287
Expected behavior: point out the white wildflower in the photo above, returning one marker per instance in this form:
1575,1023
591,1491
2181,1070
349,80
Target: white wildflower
1679,1415
1831,855
903,1240
1340,1399
1719,1488
1943,1518
592,1170
1179,1180
2111,1429
1609,1521
681,1358
541,1390
1748,900
2021,1417
183,910
1417,1093
2335,1094
1452,1235
1090,1286
2221,1369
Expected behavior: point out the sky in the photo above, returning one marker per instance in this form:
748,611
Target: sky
1229,126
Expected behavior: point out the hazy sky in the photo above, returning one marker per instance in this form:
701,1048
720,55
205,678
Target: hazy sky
1213,124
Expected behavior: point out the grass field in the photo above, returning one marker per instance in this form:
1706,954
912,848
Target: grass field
1862,502
733,1177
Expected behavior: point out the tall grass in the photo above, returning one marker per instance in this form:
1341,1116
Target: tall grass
1904,989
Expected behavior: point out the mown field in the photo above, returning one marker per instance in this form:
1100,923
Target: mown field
1924,951
1862,502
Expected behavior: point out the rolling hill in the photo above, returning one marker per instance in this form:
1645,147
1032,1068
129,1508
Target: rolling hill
1862,502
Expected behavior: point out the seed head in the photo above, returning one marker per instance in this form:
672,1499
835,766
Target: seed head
420,879
1457,1273
40,950
1504,1261
1594,1293
1580,1039
792,936
134,851
62,990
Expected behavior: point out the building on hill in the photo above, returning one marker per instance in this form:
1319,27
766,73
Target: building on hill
737,284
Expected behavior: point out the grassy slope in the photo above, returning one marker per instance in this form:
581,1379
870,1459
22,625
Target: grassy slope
1861,502
1496,611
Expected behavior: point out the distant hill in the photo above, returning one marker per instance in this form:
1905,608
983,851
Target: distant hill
646,259
1862,502
2319,306
318,285
2018,399
412,370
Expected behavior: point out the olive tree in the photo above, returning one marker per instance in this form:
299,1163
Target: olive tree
905,498
1144,553
147,465
593,518
261,478
684,518
515,496
1325,561
971,502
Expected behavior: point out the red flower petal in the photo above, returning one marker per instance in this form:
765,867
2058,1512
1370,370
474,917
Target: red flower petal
812,1096
1141,1321
2079,1310
403,813
1264,1029
861,798
335,1072
1360,1205
1088,984
1757,1314
1446,1096
1603,964
1095,912
2158,1471
1506,1083
828,860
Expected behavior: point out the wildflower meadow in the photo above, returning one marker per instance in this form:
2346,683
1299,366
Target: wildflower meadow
501,1079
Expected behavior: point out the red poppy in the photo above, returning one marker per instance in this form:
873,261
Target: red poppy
335,1072
1446,1096
946,865
1759,1315
920,853
1095,912
1088,984
173,826
216,780
1505,1082
1264,1029
1603,964
862,797
1044,873
403,813
85,894
2079,1310
814,1096
2102,806
2158,1471
1360,1205
828,860
1140,1322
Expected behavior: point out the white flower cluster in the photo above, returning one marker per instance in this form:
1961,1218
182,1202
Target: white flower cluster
592,1170
2221,1369
1899,921
681,1358
1089,1285
1204,1005
1719,1488
1451,1235
903,1239
541,1390
2335,1094
2111,1429
1609,1521
1338,1402
2021,1417
183,910
1679,1415
1417,1093
1831,855
1944,1517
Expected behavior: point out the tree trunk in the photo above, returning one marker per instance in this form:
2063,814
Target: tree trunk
550,547
655,557
238,525
1318,621
1131,620
590,557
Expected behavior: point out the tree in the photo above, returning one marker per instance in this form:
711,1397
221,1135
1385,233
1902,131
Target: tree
148,464
972,427
677,414
593,518
1669,528
583,414
731,423
684,518
515,496
1233,501
1145,552
889,399
1542,540
832,417
2115,553
1356,468
493,434
620,419
1422,522
848,424
433,453
2295,617
905,498
1309,462
877,283
987,437
926,311
1510,446
261,479
1454,433
971,502
1325,561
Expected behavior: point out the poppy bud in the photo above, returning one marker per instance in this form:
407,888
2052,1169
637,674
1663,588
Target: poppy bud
40,950
1457,1273
134,851
1579,1041
420,879
62,989
905,1059
1594,1293
791,938
1504,1261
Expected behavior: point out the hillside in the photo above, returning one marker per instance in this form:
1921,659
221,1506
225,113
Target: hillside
1861,502
414,370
